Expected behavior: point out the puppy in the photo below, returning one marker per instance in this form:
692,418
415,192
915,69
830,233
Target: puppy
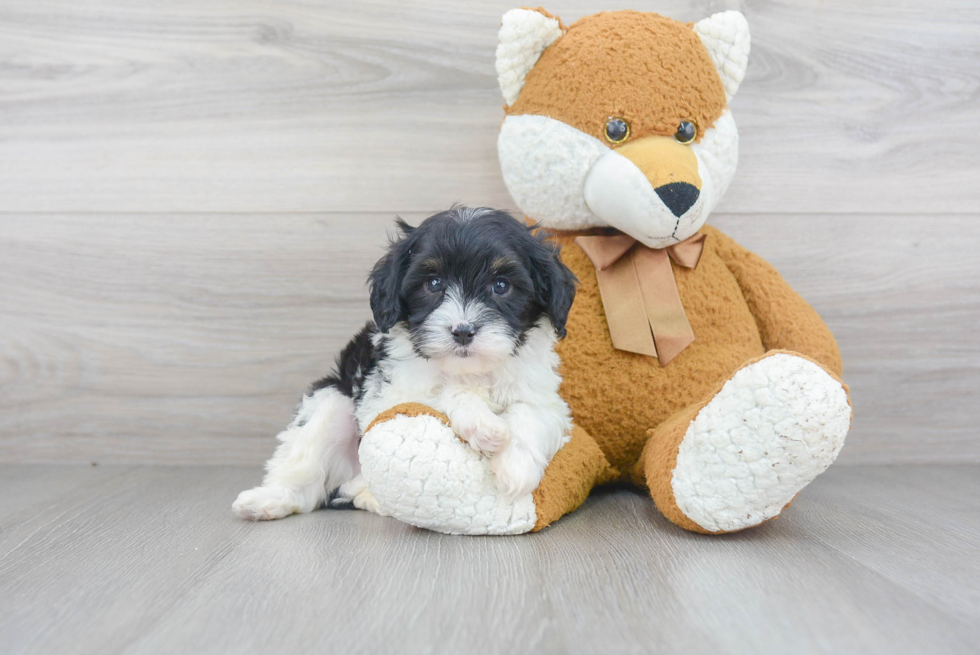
467,310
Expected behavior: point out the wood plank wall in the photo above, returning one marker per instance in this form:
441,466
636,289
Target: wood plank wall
191,194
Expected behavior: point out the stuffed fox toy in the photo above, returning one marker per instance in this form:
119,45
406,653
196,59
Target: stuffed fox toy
691,367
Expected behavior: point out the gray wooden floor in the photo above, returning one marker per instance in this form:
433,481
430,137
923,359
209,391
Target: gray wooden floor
130,559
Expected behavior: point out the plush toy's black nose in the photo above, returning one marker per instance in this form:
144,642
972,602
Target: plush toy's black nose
463,333
678,196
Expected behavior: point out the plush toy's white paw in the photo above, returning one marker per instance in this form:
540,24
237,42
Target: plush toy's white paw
516,471
419,472
483,430
265,503
775,426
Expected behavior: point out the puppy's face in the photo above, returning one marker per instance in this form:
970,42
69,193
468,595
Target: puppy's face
469,284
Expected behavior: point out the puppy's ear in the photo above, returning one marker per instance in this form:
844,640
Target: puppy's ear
554,283
386,278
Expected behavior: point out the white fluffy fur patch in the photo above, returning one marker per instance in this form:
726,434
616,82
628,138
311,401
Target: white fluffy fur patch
317,452
717,154
420,472
618,190
523,36
772,429
545,163
620,193
726,37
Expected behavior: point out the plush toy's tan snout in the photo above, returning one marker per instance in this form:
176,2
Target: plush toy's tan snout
670,167
644,188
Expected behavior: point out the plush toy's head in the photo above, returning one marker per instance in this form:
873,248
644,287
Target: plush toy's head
620,120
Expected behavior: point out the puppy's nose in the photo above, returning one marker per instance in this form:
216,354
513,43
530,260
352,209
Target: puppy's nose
678,196
463,333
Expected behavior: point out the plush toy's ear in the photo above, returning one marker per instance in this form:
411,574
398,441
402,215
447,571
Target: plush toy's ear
726,36
524,34
386,277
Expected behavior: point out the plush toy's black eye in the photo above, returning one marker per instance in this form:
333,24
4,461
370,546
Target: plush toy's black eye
617,130
500,286
686,132
433,284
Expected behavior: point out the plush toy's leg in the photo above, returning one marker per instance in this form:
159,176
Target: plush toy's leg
421,473
740,456
575,470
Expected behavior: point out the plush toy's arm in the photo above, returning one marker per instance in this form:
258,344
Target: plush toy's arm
785,320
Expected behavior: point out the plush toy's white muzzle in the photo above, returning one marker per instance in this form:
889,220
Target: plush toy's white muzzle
569,180
620,193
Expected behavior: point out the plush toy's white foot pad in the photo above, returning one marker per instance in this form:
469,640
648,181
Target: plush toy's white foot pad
420,472
775,426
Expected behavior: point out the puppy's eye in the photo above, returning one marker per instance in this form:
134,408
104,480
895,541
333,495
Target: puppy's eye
617,130
686,132
433,285
500,286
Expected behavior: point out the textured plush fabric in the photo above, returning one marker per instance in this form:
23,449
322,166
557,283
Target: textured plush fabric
656,467
739,308
574,471
662,71
617,396
426,476
725,35
420,472
407,409
754,460
785,321
524,34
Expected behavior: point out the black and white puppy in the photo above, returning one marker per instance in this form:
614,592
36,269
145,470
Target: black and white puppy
467,309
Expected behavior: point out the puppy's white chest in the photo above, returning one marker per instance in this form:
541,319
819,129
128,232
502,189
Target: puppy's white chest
420,381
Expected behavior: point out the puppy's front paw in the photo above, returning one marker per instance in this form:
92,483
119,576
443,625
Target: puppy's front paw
265,503
518,474
484,431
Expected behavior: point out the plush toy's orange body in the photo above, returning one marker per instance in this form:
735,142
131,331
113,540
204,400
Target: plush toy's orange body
638,411
690,365
726,403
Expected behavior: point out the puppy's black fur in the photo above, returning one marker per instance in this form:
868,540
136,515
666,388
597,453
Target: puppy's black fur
468,249
355,362
465,251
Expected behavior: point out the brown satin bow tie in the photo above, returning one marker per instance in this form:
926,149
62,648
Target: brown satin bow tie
639,292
